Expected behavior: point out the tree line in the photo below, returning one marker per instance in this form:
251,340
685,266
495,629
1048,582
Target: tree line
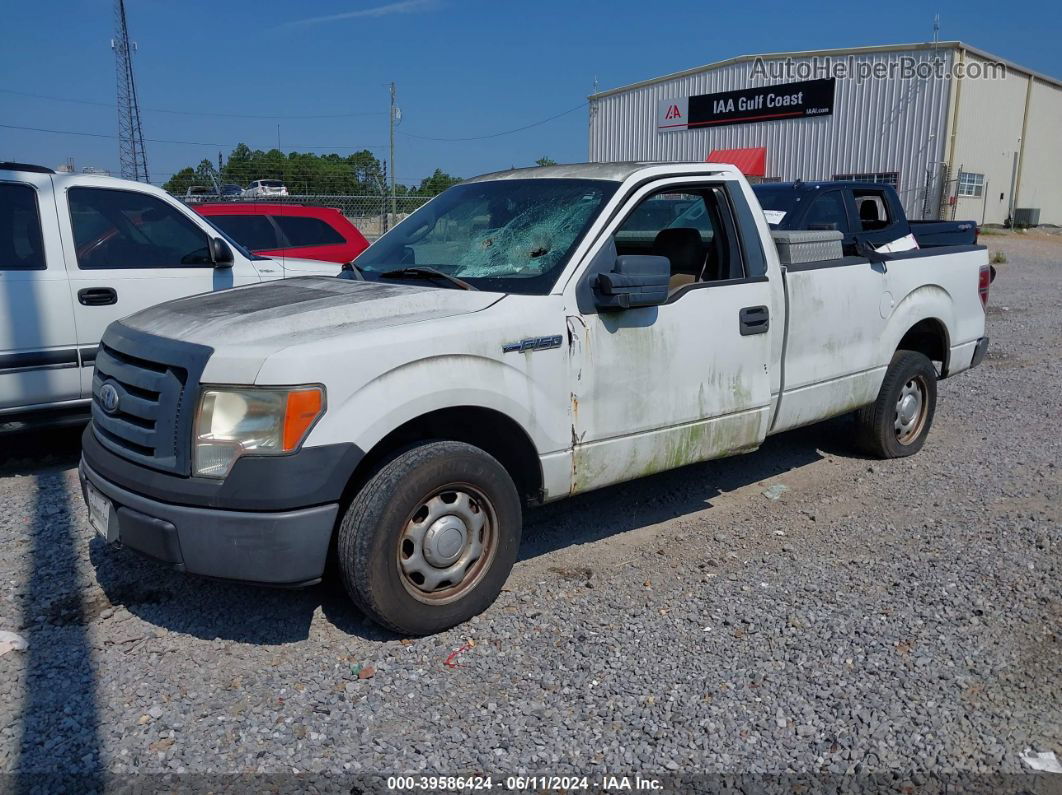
360,174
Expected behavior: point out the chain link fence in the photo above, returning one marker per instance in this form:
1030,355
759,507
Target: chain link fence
938,198
370,214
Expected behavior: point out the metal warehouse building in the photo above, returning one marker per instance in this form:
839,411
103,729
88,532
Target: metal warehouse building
959,132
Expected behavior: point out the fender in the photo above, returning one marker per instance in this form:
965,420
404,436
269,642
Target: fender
398,395
928,302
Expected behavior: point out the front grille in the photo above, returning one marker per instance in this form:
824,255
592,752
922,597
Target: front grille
157,385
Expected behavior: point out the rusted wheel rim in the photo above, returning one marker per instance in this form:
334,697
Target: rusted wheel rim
911,409
447,544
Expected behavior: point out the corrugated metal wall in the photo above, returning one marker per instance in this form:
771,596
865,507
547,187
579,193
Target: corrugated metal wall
876,126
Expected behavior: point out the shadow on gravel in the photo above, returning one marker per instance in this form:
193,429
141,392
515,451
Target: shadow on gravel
60,719
217,610
202,608
26,452
210,610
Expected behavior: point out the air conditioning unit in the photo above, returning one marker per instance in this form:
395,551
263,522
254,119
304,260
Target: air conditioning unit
1024,217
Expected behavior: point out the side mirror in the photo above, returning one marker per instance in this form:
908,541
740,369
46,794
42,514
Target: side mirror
636,280
220,253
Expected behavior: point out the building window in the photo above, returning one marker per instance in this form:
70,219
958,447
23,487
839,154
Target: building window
971,184
761,180
883,177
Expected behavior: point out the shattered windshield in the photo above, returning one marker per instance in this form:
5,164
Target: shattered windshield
503,235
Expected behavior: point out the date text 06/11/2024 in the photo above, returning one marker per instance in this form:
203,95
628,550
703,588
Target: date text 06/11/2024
522,783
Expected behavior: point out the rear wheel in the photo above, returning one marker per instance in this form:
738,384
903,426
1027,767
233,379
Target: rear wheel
430,539
897,423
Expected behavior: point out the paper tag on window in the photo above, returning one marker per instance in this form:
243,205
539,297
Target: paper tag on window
905,243
774,217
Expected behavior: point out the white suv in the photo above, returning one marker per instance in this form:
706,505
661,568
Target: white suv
78,251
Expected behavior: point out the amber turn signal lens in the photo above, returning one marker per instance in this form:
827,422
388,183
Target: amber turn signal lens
303,408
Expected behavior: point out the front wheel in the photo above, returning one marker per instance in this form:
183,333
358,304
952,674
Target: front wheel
897,423
430,539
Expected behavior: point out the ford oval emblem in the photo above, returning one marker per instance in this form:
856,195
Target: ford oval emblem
109,398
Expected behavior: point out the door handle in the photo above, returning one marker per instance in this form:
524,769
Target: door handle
97,296
754,320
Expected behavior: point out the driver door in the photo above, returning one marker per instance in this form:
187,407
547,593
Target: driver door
126,251
659,387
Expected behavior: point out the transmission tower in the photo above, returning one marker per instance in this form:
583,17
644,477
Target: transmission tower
130,135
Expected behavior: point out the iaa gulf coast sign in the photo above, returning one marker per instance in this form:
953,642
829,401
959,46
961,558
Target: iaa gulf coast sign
747,105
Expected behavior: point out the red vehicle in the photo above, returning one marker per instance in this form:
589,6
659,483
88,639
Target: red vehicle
293,230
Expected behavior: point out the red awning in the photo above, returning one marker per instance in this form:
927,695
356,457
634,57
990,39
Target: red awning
751,162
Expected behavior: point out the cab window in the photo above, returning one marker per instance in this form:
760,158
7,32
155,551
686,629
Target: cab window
126,229
873,210
693,229
827,212
21,242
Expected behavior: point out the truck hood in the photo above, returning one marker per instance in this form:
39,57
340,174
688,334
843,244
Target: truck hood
245,325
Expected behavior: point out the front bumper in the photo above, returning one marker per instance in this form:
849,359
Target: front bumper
285,548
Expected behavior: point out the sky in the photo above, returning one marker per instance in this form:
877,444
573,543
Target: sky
208,71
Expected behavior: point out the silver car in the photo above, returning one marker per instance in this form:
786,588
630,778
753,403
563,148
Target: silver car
265,187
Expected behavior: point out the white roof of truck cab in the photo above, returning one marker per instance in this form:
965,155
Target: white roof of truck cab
615,172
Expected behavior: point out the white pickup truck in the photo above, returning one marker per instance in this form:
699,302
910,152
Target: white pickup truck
78,251
525,336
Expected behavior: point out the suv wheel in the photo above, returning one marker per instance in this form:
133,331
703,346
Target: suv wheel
429,541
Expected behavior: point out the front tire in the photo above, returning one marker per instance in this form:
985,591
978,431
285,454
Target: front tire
430,539
897,423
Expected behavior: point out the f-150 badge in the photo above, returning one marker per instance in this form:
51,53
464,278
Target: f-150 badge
532,344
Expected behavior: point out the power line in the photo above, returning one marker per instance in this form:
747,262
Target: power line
276,116
187,143
246,171
498,134
192,112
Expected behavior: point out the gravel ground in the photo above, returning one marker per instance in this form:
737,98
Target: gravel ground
897,617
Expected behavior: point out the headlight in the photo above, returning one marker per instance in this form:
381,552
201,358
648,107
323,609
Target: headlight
252,421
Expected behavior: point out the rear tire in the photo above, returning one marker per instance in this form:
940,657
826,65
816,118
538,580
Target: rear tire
430,539
897,423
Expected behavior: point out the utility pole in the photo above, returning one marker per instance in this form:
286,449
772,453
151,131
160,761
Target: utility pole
392,115
381,184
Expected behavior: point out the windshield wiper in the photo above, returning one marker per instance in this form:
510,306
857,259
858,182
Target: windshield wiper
426,272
